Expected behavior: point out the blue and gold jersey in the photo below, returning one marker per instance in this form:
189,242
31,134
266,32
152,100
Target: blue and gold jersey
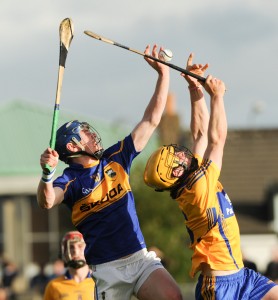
210,220
102,204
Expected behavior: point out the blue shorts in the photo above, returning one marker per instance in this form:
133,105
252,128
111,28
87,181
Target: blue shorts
245,284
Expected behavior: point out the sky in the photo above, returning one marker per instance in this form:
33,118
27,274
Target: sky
238,38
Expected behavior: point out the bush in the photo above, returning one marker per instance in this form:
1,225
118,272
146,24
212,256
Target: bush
163,226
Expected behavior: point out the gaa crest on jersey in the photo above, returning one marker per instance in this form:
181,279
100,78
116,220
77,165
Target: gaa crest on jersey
111,173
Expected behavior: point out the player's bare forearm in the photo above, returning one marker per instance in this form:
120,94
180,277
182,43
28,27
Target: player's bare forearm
199,121
199,111
156,106
46,196
217,131
218,122
153,113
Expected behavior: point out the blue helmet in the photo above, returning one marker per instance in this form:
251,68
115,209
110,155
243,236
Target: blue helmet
70,132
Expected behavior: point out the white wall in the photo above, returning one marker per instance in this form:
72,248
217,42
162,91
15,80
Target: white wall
259,248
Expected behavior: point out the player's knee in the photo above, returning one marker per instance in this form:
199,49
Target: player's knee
174,294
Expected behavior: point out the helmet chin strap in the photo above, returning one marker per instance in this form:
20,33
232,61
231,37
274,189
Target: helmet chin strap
97,154
76,264
75,140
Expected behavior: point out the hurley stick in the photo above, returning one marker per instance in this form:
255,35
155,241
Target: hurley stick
66,35
106,40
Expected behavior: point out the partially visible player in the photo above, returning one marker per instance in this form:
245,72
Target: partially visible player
192,179
77,282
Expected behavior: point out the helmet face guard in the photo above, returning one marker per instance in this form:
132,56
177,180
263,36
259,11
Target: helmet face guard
70,132
70,238
163,162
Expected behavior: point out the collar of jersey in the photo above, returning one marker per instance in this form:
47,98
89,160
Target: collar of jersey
68,276
79,166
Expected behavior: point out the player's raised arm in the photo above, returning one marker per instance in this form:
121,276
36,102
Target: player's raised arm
199,111
152,115
217,131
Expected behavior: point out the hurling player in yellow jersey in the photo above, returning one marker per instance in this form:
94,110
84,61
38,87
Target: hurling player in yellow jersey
96,188
76,283
192,179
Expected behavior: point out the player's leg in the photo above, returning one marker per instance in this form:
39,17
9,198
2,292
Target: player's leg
154,281
272,294
263,287
112,283
160,285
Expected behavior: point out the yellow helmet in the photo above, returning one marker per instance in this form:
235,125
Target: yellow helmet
158,170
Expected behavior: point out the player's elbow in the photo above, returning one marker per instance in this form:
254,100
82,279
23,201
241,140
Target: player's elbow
154,122
47,197
44,204
47,206
152,119
217,141
218,136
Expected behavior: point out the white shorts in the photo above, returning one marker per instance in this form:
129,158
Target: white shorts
122,278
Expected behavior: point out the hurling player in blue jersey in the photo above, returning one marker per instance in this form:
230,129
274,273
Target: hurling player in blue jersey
96,189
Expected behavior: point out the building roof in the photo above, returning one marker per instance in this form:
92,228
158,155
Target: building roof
250,164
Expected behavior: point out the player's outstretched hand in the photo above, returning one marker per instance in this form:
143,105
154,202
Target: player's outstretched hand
214,86
159,67
198,69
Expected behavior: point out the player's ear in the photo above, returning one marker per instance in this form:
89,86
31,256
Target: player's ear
72,147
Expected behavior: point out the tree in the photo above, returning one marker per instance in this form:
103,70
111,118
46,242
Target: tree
163,226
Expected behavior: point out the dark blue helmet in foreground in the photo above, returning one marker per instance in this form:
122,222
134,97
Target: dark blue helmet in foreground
70,132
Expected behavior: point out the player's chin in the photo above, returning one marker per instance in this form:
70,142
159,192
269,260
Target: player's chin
77,258
178,172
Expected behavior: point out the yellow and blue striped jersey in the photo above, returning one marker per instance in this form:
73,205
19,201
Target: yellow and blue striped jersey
64,287
102,204
210,220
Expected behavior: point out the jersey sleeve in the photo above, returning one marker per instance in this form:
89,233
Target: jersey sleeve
124,152
50,292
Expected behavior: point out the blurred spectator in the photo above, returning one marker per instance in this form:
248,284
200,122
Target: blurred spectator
272,266
3,294
58,269
39,282
9,274
249,263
